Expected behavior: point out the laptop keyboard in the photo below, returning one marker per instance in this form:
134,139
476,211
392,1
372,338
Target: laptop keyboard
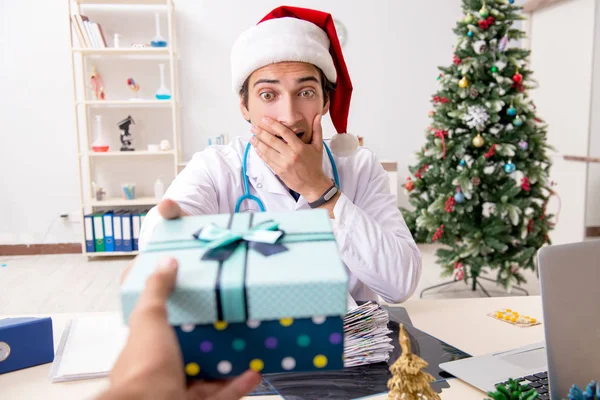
539,382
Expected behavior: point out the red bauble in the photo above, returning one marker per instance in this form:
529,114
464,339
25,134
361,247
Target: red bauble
491,20
517,78
409,185
483,24
456,60
525,185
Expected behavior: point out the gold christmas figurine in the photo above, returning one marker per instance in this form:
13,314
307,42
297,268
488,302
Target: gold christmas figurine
408,381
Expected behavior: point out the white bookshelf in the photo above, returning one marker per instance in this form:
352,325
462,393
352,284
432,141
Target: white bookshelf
170,153
114,254
118,202
127,103
155,119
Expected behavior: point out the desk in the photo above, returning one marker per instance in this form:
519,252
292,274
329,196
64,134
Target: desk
460,322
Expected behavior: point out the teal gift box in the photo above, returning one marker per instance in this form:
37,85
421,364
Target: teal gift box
266,291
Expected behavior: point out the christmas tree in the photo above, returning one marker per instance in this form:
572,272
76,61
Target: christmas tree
409,381
480,186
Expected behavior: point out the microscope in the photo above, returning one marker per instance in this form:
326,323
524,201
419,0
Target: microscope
126,137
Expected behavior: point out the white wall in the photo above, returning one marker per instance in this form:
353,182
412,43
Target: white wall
393,51
593,183
38,156
562,63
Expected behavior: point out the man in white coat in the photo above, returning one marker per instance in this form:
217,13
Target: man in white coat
289,71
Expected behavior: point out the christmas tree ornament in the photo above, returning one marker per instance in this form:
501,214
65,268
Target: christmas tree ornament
473,92
439,99
517,78
591,392
494,69
503,43
456,60
462,163
421,171
470,34
478,141
463,83
517,122
483,24
476,117
468,19
441,135
439,78
511,1
459,271
490,20
476,181
510,167
409,381
439,232
511,112
450,203
484,12
483,48
525,185
459,197
491,152
513,390
431,113
523,145
409,185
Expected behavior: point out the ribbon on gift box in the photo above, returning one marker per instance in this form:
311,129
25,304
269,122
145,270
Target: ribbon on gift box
223,242
230,248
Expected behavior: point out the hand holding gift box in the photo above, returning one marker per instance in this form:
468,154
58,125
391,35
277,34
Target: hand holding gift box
139,373
264,291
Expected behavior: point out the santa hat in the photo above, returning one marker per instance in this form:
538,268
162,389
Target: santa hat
302,35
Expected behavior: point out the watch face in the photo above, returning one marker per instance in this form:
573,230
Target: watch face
330,193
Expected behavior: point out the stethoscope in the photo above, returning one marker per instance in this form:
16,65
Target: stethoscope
261,206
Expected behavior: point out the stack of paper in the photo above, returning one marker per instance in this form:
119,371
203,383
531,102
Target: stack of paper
89,347
366,335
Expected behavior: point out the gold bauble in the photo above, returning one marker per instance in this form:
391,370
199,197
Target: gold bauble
463,83
478,140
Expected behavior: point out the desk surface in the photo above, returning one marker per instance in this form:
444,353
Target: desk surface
462,323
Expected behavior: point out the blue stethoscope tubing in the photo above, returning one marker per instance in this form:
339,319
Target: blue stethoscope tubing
261,206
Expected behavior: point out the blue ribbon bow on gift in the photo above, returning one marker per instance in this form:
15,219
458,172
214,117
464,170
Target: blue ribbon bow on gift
221,242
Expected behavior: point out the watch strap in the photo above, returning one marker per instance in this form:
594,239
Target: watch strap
325,197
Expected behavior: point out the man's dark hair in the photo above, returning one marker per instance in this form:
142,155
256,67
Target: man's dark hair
326,85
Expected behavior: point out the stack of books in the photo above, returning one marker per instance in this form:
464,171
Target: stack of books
89,34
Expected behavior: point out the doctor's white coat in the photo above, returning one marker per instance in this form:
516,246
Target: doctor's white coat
374,241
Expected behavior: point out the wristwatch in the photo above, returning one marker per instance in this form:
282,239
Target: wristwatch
325,197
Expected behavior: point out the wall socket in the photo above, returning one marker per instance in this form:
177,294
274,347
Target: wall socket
73,216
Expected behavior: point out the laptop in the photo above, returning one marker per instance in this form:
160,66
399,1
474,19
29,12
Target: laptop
570,282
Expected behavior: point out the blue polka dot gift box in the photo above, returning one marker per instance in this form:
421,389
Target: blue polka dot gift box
265,291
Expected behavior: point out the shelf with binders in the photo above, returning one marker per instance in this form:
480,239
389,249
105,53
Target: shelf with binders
113,233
